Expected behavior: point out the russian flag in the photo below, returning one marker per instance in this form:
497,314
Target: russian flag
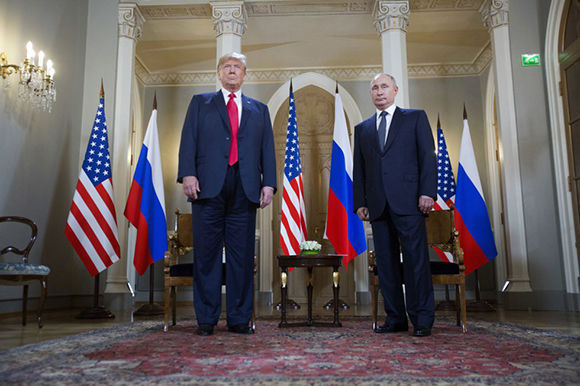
145,207
471,217
344,229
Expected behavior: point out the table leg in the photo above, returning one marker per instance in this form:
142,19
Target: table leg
336,288
284,296
309,321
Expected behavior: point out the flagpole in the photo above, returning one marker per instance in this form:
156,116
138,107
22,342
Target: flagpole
447,304
289,302
478,305
151,308
96,311
341,303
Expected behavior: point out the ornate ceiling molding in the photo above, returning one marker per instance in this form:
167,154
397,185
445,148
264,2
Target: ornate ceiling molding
229,17
298,8
390,14
494,13
338,73
130,21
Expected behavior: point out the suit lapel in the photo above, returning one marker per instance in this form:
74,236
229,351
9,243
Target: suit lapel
220,105
394,128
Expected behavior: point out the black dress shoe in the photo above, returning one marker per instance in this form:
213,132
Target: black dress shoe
205,330
241,329
420,331
390,328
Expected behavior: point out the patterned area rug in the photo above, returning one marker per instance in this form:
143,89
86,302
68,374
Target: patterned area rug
490,353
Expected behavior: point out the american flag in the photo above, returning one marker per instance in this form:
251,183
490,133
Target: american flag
445,184
293,219
91,227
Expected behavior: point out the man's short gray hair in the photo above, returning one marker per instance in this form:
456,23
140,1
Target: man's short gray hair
232,55
385,74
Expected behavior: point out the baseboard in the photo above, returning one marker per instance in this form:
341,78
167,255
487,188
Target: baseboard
51,303
540,301
363,298
265,298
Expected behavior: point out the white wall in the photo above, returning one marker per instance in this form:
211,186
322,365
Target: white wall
527,34
39,151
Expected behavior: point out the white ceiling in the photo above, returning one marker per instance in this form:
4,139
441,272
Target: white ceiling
178,35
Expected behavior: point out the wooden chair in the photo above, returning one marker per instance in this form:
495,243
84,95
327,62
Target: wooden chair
181,274
22,272
441,233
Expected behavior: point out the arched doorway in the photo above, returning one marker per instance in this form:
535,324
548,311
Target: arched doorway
314,95
562,66
569,55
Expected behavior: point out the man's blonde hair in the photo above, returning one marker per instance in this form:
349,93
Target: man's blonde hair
232,55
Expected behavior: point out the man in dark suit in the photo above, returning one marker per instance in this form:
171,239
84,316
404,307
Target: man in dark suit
394,187
228,169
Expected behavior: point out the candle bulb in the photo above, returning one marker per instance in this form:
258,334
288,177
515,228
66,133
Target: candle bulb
29,51
49,68
40,58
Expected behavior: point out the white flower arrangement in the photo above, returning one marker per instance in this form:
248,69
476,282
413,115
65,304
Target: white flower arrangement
310,246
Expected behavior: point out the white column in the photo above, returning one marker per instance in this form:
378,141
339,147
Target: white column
130,27
391,21
495,16
229,22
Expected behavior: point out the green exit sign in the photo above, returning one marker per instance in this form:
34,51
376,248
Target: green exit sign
529,60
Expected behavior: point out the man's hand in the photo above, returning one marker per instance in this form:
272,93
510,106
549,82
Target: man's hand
363,213
425,204
191,187
266,195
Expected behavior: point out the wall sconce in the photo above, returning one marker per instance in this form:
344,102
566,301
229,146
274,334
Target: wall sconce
35,82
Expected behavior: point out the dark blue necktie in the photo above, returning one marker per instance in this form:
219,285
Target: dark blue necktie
382,130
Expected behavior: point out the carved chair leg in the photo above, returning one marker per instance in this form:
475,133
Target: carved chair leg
374,300
166,306
24,303
457,304
173,305
463,309
43,292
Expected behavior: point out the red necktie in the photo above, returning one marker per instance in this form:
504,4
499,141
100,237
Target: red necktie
233,115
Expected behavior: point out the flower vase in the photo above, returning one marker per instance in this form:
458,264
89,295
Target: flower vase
309,252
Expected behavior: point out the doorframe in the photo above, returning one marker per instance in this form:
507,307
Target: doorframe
266,264
493,178
559,147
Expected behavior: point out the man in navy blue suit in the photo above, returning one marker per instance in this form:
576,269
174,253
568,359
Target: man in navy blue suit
228,169
394,187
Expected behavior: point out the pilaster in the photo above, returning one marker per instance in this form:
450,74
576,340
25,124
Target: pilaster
130,24
495,16
391,19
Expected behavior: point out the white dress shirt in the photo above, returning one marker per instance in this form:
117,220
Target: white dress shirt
237,99
390,111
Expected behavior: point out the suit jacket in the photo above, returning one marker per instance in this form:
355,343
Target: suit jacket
205,145
406,169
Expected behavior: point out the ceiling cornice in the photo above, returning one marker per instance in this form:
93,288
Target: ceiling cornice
276,75
300,8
